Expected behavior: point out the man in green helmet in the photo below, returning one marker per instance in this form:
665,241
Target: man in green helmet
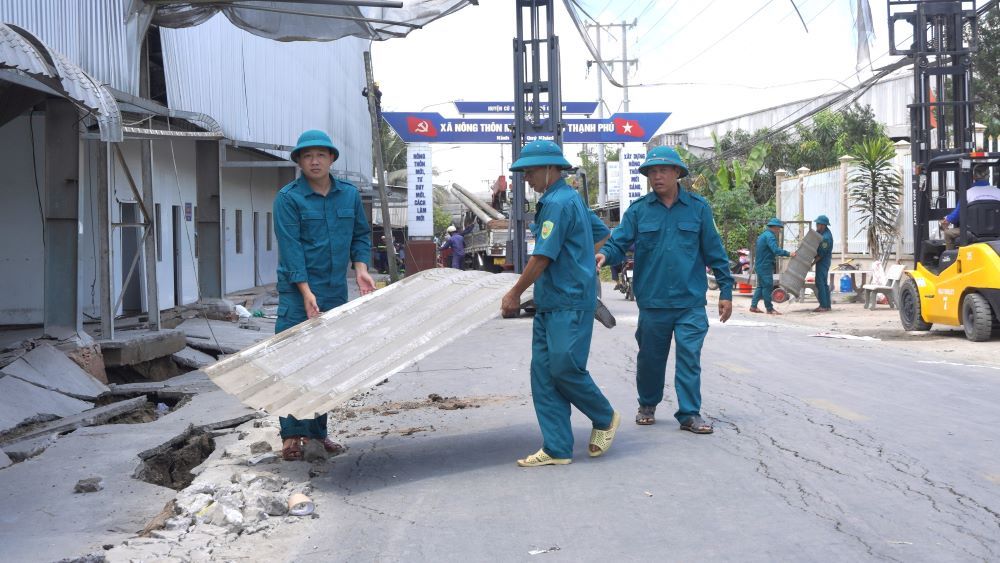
824,255
321,228
561,268
765,252
675,238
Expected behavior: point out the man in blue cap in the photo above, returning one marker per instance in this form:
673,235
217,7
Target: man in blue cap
766,250
321,228
561,268
675,239
824,255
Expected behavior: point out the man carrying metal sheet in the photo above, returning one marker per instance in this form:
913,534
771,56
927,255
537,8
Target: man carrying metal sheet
765,252
561,268
320,226
675,239
824,255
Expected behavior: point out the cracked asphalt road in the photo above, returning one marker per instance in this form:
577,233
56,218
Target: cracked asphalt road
824,450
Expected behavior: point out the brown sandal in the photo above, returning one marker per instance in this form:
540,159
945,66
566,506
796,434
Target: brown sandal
291,448
646,415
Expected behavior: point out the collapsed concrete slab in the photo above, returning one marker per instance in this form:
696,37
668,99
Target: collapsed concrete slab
134,346
21,403
191,358
49,368
4,460
88,417
55,523
319,364
225,337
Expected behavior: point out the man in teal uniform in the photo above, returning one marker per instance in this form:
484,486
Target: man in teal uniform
562,269
766,251
320,226
675,239
824,255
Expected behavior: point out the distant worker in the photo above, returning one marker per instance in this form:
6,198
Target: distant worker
562,269
321,229
824,255
456,242
980,190
674,236
767,250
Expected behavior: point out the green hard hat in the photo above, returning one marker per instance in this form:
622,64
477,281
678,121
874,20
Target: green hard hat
540,153
822,220
775,222
663,156
314,138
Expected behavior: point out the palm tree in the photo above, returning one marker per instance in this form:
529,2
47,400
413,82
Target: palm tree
875,188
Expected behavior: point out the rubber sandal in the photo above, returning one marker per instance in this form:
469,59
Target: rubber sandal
291,448
646,415
697,425
603,438
333,448
541,458
755,310
773,312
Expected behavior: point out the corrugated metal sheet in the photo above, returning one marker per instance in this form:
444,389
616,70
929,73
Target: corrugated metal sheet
321,363
887,98
266,91
93,34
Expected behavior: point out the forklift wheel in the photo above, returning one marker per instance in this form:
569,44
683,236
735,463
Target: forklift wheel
977,318
779,295
909,307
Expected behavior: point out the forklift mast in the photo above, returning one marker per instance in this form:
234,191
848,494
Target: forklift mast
536,82
944,36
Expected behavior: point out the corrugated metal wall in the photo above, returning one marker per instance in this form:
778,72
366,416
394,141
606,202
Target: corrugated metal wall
887,98
91,33
823,196
266,91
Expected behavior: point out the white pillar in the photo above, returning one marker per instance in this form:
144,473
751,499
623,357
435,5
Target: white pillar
802,200
845,163
779,178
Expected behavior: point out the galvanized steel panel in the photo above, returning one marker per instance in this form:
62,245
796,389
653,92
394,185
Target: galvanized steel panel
265,91
322,362
92,34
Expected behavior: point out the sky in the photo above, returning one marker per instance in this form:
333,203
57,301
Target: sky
700,60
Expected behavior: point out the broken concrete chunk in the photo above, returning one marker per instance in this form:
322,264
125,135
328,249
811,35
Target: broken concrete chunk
89,558
271,503
191,358
49,368
267,457
21,402
260,447
222,514
178,523
89,485
189,504
315,452
4,460
133,346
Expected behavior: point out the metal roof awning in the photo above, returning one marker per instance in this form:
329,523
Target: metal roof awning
321,363
303,20
47,70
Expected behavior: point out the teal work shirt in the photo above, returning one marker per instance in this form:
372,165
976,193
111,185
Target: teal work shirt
767,249
565,231
673,246
825,250
318,236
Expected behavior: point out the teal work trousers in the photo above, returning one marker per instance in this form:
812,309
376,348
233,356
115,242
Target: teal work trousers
657,327
823,284
765,285
292,309
560,346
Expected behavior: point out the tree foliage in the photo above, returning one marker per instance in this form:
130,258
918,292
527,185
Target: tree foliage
589,165
986,70
874,189
393,149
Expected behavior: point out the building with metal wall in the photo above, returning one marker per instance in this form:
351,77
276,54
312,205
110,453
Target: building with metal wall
90,151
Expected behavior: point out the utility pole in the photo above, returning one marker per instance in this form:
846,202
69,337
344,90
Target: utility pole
602,180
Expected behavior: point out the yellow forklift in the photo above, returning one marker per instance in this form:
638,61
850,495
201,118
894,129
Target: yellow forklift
960,286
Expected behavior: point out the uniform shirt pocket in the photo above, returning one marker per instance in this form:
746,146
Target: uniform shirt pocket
687,234
313,225
649,235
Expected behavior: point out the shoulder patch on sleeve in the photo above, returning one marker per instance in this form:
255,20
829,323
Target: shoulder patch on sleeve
547,229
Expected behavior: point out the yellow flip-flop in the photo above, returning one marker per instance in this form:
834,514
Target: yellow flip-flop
541,458
603,438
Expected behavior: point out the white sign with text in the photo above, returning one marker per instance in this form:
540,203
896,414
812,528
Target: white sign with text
420,191
614,179
633,185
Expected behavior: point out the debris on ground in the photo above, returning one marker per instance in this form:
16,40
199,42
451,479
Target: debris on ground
89,485
843,336
541,551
